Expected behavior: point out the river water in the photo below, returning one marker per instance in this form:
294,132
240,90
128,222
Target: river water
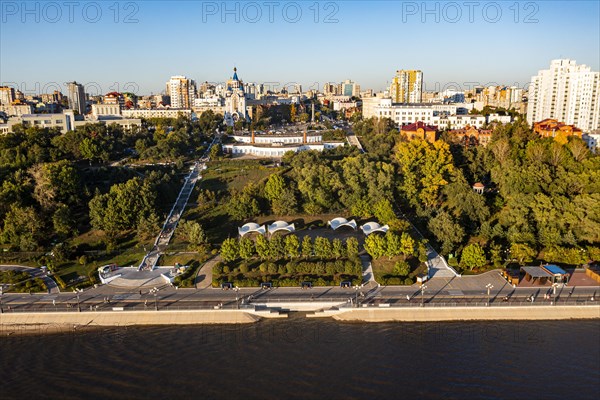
309,359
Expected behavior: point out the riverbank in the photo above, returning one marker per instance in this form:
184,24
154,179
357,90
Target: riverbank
55,322
440,314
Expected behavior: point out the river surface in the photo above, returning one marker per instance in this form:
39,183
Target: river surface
309,359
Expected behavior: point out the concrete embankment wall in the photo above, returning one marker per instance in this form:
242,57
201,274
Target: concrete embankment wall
418,314
59,321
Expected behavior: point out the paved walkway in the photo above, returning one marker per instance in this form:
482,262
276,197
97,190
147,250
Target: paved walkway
35,273
204,274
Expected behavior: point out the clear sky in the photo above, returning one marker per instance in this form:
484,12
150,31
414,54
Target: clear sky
137,46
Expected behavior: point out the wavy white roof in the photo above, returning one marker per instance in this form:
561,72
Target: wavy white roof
281,226
251,227
371,227
339,222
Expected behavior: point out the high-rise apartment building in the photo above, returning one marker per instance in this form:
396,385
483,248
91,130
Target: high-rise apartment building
76,97
407,86
182,92
7,95
566,92
349,88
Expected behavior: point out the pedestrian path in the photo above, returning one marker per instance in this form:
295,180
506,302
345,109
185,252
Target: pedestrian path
168,229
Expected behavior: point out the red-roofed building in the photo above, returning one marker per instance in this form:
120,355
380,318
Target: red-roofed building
420,130
471,136
551,128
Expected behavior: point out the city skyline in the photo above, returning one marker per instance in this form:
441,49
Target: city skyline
146,52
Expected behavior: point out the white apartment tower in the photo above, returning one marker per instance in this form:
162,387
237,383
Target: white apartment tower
567,92
182,92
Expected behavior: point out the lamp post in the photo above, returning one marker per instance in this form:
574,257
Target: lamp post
78,304
237,297
1,293
356,287
489,287
554,286
423,287
154,291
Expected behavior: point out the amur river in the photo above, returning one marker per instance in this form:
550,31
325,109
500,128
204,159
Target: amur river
309,359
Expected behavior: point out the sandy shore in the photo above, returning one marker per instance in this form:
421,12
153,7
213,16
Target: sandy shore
431,314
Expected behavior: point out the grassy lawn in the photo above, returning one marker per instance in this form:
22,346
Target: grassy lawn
383,270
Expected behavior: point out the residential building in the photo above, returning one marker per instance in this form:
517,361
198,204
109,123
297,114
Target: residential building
551,128
349,88
593,141
155,113
182,92
7,95
471,135
420,130
16,108
566,92
76,96
407,86
503,119
64,121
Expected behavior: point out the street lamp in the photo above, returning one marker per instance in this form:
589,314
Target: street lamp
554,286
154,291
423,287
237,297
489,287
1,293
78,304
356,287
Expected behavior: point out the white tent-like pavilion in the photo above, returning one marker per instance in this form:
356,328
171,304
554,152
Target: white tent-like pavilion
251,227
280,226
339,222
372,227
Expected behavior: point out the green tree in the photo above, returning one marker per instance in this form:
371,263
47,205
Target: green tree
229,250
337,248
192,232
522,253
275,187
393,246
473,256
401,268
148,226
375,245
307,247
384,211
262,247
246,248
496,256
322,247
23,228
63,221
352,247
292,246
277,247
448,232
407,245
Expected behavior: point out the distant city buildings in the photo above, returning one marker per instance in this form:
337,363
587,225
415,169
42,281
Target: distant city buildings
407,86
566,92
76,96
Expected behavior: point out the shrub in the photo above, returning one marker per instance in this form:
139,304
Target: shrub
244,268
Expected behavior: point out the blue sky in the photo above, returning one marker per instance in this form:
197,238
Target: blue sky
146,42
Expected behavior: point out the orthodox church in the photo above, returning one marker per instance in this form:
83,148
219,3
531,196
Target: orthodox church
235,100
